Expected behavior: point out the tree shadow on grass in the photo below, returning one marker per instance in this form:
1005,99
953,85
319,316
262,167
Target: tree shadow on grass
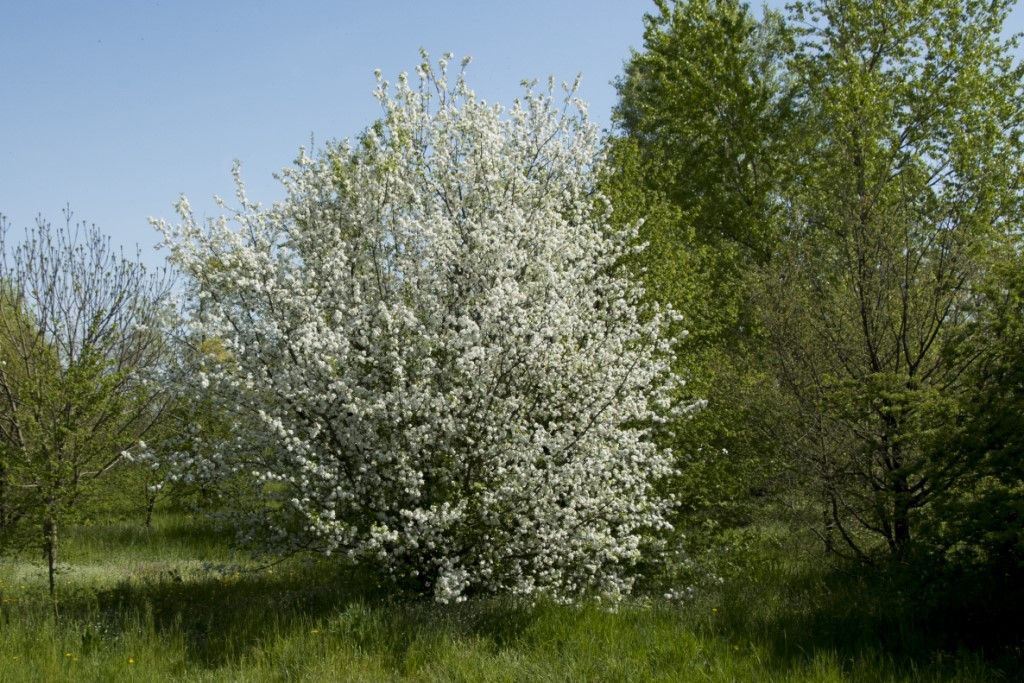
889,615
222,617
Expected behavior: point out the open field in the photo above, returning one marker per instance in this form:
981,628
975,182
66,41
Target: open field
176,603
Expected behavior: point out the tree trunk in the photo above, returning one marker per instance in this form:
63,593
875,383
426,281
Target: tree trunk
828,533
897,507
50,548
150,504
3,497
828,525
901,516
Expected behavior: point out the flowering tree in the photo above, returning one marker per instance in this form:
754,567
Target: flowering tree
435,360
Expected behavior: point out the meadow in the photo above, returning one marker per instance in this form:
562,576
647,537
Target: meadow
175,602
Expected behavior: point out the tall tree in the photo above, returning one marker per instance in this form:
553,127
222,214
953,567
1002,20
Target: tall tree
883,183
705,140
912,184
706,124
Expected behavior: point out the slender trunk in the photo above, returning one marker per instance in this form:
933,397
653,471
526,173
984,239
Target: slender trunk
3,497
828,535
901,516
150,504
50,548
895,510
828,524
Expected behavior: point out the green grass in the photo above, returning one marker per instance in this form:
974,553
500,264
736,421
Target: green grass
175,603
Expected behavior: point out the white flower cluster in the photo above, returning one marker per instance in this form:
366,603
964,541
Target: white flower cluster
444,367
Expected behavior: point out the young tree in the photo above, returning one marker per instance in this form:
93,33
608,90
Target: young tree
435,359
80,345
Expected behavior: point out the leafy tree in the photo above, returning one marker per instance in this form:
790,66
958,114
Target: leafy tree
707,107
435,360
16,500
80,342
706,131
192,426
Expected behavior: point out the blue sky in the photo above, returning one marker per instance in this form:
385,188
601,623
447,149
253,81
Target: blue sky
118,107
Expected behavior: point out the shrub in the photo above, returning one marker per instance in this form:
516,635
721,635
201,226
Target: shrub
435,357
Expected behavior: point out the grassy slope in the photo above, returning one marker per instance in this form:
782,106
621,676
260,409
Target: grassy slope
175,604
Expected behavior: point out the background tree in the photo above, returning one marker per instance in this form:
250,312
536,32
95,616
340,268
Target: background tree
192,425
841,178
706,106
707,134
81,342
978,524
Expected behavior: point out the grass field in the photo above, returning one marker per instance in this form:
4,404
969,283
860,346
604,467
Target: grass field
175,603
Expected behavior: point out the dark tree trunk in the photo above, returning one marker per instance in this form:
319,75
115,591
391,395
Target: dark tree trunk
901,516
150,504
50,549
3,498
828,536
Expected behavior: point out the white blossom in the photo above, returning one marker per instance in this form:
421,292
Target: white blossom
437,361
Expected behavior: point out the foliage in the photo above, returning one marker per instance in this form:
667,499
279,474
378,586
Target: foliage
434,357
705,102
977,526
